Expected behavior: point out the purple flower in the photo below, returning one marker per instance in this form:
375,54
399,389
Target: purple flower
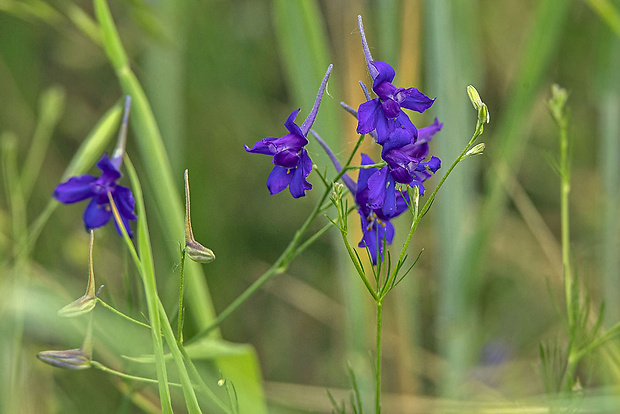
407,162
376,227
291,161
98,212
384,113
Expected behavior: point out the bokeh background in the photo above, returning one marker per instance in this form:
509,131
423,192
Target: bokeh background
466,323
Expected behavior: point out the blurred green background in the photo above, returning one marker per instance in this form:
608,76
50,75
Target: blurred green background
219,74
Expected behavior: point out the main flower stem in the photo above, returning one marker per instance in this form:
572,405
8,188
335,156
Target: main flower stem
378,350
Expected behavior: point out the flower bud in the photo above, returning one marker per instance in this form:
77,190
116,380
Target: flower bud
414,198
337,193
558,99
195,251
74,359
483,111
87,302
78,307
478,149
474,97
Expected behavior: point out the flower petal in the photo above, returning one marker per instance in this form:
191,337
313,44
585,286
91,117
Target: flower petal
404,122
416,101
279,179
110,171
367,115
377,187
434,164
291,125
299,184
75,189
286,159
398,139
426,134
263,146
125,202
289,142
96,215
389,203
386,73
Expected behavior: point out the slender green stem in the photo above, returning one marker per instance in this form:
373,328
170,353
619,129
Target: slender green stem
103,368
122,315
378,350
366,166
181,309
611,333
282,263
565,192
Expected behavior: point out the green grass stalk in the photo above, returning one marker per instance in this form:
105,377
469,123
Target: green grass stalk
156,163
150,290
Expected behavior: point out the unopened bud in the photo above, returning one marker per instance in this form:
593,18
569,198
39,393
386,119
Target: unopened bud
87,302
414,198
483,111
195,251
478,149
79,307
337,193
558,99
73,359
474,97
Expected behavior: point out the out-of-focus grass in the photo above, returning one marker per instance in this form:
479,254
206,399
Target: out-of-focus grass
229,85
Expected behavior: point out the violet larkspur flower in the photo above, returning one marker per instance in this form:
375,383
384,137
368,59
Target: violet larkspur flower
384,113
376,227
292,164
407,163
98,212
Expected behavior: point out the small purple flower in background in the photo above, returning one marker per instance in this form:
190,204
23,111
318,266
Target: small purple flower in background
98,212
292,164
384,113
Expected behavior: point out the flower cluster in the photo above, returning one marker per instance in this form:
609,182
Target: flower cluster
405,156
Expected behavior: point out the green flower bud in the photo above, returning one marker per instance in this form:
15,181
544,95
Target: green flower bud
195,251
483,111
78,307
87,302
478,149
